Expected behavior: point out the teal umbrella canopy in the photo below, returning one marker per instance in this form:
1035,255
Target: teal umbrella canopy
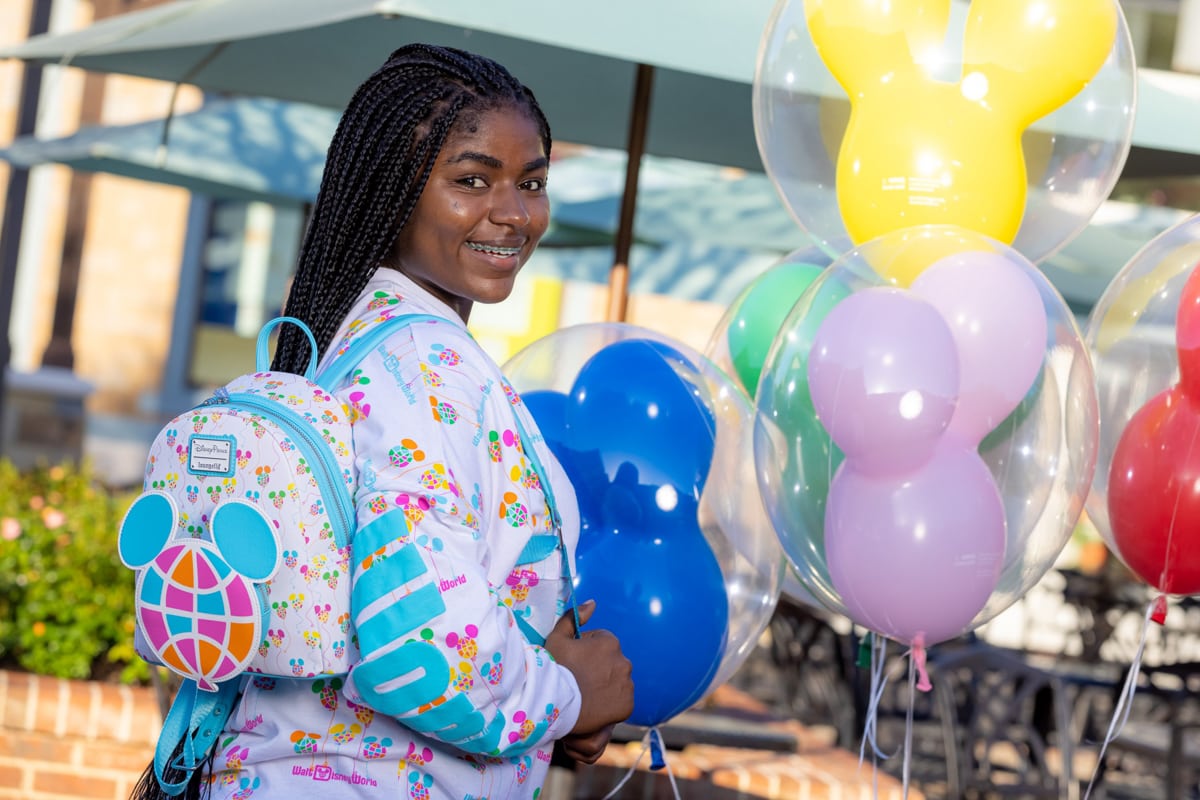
262,149
580,59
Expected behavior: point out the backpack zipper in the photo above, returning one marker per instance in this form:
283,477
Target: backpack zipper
313,448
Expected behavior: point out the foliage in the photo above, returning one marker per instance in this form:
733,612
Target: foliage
66,600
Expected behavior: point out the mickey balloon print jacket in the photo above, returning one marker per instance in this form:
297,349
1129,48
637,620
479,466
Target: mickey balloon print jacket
457,575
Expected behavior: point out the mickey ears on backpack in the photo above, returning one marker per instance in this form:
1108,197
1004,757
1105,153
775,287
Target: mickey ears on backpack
246,539
241,532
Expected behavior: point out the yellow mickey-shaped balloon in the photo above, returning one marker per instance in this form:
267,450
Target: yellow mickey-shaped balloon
919,149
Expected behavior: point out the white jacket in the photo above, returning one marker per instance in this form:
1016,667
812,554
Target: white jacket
451,698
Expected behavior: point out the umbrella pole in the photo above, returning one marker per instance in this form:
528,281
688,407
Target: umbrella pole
618,276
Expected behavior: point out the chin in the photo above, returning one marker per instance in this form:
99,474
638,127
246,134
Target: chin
496,293
492,299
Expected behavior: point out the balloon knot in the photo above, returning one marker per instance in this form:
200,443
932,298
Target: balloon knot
1159,611
918,657
657,761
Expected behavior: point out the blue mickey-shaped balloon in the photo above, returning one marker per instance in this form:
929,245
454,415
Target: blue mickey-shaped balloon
636,438
663,596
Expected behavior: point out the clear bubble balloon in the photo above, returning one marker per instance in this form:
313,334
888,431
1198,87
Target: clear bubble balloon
924,449
675,545
1144,336
1011,118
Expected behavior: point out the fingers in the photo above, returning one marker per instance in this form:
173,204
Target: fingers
566,623
586,609
584,756
587,748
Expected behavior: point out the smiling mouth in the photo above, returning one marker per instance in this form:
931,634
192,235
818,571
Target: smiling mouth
494,250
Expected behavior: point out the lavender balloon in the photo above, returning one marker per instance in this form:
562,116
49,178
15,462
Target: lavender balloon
916,556
999,324
912,507
884,377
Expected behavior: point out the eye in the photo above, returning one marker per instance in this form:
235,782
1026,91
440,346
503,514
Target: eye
472,182
535,185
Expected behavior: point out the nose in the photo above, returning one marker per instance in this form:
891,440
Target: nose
509,207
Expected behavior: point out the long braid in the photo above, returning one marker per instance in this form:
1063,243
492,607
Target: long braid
378,163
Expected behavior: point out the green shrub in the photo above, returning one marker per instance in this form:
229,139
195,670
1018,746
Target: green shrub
66,600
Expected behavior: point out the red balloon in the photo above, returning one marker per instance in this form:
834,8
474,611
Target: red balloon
1154,493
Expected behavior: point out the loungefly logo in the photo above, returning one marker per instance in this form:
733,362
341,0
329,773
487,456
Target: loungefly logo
324,772
211,455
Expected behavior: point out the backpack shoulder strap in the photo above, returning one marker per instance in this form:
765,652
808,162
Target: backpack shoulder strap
343,365
541,546
190,732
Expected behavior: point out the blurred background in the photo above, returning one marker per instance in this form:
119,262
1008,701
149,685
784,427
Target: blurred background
134,275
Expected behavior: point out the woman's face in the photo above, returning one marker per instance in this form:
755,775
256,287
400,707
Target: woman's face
482,212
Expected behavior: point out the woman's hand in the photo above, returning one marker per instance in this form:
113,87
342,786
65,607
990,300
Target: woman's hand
587,748
604,677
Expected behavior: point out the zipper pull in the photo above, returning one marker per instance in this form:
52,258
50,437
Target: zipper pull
219,396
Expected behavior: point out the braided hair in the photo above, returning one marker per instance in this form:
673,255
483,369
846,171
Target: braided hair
378,163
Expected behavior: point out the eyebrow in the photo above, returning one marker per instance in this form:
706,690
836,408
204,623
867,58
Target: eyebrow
493,162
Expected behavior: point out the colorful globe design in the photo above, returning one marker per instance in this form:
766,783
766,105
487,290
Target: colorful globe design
202,618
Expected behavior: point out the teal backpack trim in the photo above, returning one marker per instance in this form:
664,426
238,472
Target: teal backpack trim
262,359
343,365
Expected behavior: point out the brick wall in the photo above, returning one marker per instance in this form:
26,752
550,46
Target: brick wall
67,740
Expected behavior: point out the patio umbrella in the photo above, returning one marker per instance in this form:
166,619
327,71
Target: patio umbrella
249,149
597,69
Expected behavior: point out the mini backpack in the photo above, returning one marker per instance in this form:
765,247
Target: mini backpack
241,542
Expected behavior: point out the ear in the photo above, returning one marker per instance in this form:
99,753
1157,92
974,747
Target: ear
1037,54
147,526
246,539
861,41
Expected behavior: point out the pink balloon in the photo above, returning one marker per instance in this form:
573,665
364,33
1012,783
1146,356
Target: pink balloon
998,320
915,557
883,374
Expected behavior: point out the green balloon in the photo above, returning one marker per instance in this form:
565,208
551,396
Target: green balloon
811,456
758,314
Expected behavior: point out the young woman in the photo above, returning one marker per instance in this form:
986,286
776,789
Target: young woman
471,667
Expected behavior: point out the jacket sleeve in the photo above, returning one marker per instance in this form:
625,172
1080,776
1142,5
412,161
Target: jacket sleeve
440,648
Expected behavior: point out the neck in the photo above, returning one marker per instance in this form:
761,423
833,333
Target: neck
459,305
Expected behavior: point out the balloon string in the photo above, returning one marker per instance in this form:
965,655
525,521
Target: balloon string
659,760
632,768
879,681
915,665
1156,612
651,742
